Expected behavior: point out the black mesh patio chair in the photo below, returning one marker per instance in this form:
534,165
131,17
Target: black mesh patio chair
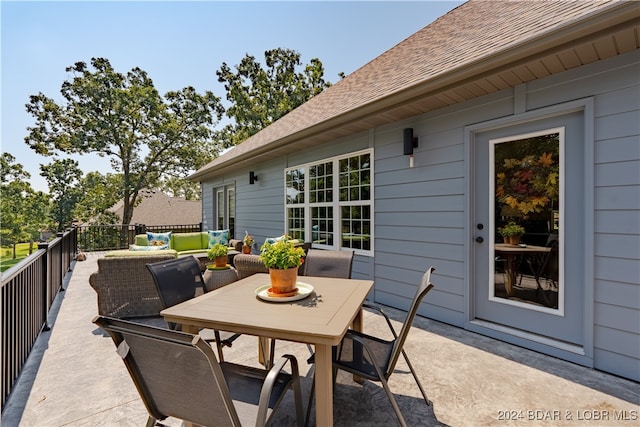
177,280
374,358
178,375
328,263
548,270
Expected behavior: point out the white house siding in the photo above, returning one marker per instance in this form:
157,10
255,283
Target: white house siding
420,212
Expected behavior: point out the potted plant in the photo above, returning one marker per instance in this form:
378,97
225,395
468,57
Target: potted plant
247,243
218,253
282,259
512,233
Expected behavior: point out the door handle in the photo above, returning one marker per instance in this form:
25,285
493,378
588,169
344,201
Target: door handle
479,239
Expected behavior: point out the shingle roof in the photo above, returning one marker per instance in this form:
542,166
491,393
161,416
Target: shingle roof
157,208
474,37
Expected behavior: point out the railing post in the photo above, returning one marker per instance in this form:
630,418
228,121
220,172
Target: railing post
60,235
45,281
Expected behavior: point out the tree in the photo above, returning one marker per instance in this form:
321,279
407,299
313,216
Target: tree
123,117
63,178
99,193
259,96
23,210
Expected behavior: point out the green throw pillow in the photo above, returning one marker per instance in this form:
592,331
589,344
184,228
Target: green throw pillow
187,241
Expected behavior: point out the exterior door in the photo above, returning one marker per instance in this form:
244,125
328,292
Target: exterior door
529,185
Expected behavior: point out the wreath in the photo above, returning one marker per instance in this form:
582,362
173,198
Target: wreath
528,185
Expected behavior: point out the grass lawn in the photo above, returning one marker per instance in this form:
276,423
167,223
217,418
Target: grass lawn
6,255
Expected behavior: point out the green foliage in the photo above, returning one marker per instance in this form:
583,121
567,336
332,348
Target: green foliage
63,178
511,229
7,259
282,254
259,96
24,211
123,117
217,250
99,193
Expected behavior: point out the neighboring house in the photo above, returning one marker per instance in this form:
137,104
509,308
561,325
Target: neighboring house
157,208
523,111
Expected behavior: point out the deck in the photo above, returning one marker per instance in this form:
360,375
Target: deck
75,378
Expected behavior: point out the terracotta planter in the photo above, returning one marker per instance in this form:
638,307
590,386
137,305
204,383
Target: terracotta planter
221,261
514,240
283,280
246,249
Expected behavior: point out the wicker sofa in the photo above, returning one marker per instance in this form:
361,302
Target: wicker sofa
181,244
125,287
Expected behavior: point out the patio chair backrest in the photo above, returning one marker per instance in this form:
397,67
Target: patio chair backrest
176,279
328,263
423,289
176,374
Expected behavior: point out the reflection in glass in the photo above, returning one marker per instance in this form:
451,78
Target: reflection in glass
526,199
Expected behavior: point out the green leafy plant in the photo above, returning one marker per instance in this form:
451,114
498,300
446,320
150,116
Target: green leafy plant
511,229
217,250
282,254
247,240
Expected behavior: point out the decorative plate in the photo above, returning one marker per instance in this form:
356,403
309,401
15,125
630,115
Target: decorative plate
304,290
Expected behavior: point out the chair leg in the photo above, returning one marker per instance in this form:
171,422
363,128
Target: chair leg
150,421
415,377
311,394
392,399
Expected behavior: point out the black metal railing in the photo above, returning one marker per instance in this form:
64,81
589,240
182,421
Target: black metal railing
116,236
30,287
27,293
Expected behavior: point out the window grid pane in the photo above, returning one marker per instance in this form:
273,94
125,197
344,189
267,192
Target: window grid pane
220,209
322,225
321,183
295,223
356,227
295,186
355,178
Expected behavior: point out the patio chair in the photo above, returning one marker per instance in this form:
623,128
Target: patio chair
323,263
375,358
177,281
548,271
177,375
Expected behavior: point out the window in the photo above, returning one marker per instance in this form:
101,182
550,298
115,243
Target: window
225,209
329,202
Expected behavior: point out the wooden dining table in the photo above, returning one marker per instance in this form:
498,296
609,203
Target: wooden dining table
511,254
320,319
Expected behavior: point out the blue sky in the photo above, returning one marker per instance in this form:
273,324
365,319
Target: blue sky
182,44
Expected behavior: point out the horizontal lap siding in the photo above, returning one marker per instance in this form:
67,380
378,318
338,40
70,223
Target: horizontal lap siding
613,84
420,211
617,228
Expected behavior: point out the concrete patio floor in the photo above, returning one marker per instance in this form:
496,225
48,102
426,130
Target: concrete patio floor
75,378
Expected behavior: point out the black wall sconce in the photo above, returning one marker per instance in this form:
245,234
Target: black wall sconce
409,142
252,177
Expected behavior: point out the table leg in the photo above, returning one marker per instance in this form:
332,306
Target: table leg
510,274
357,325
264,353
324,385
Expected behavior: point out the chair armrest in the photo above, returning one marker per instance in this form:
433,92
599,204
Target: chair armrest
386,317
270,381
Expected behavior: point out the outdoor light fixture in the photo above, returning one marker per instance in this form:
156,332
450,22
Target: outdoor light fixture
409,142
252,177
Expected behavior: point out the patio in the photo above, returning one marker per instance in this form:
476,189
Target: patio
75,378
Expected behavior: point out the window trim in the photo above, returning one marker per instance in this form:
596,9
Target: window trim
336,205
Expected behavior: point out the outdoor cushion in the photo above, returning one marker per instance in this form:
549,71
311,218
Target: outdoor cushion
218,236
186,241
130,253
159,239
148,248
